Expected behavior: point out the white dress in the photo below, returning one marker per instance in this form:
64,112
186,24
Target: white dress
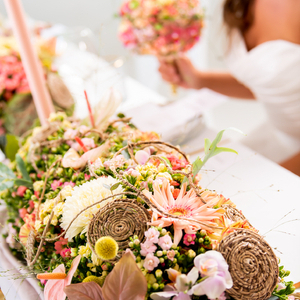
272,72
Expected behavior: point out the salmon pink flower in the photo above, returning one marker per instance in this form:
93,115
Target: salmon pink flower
58,280
21,190
187,205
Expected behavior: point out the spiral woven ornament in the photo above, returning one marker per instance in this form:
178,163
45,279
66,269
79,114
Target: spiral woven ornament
120,219
252,264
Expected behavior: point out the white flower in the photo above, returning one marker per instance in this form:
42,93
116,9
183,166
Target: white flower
82,197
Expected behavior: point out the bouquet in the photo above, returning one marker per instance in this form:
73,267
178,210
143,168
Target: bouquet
118,214
164,28
17,111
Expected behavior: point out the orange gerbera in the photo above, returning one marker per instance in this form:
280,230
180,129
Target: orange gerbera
196,214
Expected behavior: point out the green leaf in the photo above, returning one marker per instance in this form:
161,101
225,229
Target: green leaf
6,185
22,168
125,154
115,186
11,147
211,149
6,173
23,182
167,161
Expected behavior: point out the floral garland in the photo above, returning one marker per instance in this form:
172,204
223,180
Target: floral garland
126,216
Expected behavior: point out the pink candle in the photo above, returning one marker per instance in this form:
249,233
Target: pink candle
32,66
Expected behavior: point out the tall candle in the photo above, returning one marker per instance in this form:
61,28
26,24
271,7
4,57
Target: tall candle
32,66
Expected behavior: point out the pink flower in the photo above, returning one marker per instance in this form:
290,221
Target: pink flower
87,177
22,212
142,156
55,184
165,242
187,205
132,172
65,252
152,235
87,142
212,265
182,288
54,289
70,134
147,247
59,245
151,262
31,204
189,239
171,254
21,190
72,184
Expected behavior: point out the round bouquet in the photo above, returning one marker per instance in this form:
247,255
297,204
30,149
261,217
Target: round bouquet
119,214
164,28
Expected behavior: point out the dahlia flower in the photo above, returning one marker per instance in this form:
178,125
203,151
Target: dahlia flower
83,196
187,205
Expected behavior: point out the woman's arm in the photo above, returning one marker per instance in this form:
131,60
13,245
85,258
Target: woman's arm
184,74
293,164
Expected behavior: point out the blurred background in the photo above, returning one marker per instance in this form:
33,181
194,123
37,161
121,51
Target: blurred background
96,21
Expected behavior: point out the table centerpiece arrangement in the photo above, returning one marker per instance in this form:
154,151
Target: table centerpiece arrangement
117,213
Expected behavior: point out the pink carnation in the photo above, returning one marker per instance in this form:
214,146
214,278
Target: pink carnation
171,255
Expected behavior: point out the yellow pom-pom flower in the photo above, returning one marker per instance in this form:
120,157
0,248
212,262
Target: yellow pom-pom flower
93,278
106,248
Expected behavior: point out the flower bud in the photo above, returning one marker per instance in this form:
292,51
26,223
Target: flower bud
155,286
161,260
159,253
158,273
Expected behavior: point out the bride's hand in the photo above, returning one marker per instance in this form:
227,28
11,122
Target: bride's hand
181,72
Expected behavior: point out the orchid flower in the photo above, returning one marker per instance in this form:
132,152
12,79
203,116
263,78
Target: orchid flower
182,289
58,280
213,266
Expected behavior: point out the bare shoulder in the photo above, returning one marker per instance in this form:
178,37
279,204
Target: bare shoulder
275,19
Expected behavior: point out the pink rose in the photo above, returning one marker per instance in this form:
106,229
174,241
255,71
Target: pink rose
147,247
151,262
165,242
152,235
55,184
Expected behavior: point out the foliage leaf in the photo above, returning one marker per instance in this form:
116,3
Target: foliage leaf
126,281
84,291
115,186
11,147
23,182
22,168
167,161
211,149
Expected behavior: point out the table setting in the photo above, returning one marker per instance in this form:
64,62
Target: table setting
129,194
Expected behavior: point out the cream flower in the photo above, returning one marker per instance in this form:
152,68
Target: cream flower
82,197
38,185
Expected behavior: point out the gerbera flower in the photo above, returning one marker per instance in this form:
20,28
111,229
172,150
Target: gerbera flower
187,205
83,196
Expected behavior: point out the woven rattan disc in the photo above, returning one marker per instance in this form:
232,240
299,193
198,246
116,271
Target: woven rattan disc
234,214
120,219
252,264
